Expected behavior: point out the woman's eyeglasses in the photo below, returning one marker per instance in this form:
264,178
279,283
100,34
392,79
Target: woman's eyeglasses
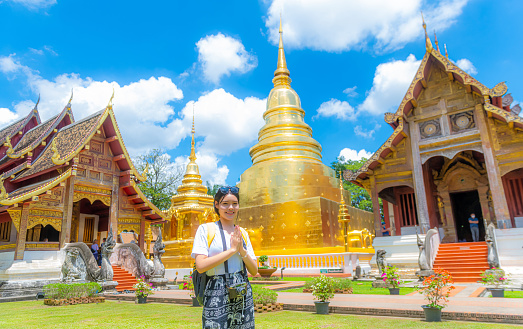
226,189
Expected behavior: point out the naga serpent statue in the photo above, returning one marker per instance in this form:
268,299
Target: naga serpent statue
92,273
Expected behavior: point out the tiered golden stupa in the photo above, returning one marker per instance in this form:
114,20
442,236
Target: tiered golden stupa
190,207
289,198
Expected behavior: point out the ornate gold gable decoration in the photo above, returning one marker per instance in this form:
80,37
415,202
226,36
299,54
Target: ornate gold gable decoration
7,143
92,194
45,217
3,192
15,215
56,156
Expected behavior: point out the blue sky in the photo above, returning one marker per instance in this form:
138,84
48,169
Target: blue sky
350,62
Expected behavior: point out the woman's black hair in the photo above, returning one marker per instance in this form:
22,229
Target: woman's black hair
220,194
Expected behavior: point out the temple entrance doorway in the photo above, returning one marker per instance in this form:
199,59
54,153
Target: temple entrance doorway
463,204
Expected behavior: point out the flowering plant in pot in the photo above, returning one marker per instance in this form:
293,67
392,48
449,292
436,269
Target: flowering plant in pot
189,285
495,277
391,276
142,289
323,290
436,289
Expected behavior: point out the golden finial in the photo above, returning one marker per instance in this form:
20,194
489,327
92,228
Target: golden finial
446,54
37,102
146,170
428,43
70,99
110,105
341,188
9,146
436,41
192,157
282,63
3,192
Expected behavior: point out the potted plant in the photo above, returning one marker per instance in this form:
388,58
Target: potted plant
436,289
188,285
323,290
392,278
265,270
495,277
142,289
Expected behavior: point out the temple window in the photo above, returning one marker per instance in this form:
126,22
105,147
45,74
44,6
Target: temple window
408,212
5,231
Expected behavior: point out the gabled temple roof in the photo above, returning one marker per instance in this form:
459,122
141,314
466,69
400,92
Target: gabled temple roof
17,126
410,101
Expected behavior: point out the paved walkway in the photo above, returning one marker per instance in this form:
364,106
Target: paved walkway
460,307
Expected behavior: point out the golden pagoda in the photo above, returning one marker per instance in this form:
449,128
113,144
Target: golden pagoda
289,198
190,207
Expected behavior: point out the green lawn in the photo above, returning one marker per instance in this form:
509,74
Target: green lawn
360,288
112,314
514,294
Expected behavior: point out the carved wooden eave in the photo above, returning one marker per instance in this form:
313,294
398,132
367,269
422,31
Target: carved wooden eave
513,120
12,134
381,153
28,192
142,203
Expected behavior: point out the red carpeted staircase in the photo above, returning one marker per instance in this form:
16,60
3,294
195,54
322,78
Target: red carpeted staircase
465,261
125,279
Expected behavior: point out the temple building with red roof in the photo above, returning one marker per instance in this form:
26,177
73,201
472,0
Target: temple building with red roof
67,181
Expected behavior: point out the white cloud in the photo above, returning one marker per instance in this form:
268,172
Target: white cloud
142,108
6,117
48,49
340,109
34,4
391,81
220,55
226,122
350,154
467,66
366,133
339,25
351,92
208,166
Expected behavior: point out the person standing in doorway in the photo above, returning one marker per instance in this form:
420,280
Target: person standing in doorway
474,227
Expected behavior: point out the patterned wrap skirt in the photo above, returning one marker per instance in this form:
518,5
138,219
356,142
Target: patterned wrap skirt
220,312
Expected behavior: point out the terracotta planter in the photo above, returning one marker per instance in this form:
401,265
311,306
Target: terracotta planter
322,307
266,272
497,292
432,314
142,299
394,291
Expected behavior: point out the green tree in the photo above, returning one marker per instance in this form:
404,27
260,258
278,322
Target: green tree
360,198
212,189
162,178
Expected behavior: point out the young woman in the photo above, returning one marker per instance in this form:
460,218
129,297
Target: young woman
226,262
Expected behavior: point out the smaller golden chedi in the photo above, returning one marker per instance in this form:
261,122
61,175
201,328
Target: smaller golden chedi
190,207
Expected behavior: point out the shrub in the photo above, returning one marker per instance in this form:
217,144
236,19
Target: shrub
263,296
342,284
308,285
323,288
391,276
263,258
71,290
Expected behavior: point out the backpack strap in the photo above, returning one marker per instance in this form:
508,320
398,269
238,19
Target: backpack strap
211,232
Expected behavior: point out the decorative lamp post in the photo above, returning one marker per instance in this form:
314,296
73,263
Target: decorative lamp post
343,216
148,239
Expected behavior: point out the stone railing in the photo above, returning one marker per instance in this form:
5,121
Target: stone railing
432,241
313,263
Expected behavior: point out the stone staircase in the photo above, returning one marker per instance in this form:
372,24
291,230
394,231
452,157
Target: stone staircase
465,261
125,279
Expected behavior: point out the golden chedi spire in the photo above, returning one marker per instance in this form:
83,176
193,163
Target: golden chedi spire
286,160
285,134
191,193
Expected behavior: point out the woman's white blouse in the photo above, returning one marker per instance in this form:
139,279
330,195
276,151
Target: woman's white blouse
200,248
